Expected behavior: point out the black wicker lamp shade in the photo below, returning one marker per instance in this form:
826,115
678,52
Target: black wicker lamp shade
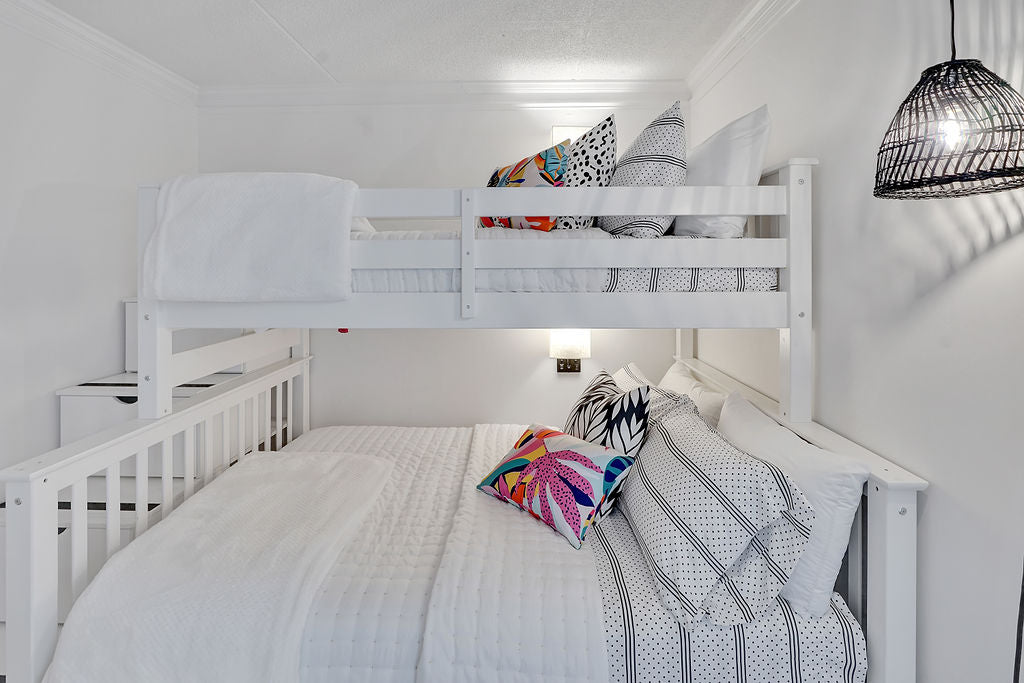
959,132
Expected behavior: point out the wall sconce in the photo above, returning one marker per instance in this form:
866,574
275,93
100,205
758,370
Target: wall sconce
568,347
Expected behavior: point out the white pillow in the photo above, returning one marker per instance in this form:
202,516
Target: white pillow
708,402
833,484
732,156
360,224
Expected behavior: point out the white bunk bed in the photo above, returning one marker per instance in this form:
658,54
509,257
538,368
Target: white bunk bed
269,407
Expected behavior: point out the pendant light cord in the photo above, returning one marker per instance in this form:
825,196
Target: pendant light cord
952,29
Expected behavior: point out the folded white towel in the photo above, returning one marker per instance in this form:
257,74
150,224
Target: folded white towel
251,237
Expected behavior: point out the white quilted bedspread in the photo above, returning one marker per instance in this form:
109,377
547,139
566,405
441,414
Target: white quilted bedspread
367,619
512,602
219,591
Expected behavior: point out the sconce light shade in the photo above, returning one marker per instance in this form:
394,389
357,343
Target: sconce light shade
569,344
959,132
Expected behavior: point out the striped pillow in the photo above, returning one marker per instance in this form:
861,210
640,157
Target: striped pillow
656,157
721,530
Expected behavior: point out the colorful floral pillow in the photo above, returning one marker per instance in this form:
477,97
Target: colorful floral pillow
544,169
565,482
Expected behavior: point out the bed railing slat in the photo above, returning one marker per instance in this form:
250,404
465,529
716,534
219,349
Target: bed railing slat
79,538
207,451
225,439
291,413
267,421
190,460
279,414
240,431
113,503
141,491
166,478
253,408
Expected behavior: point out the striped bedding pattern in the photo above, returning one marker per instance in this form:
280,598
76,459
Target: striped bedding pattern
646,643
425,280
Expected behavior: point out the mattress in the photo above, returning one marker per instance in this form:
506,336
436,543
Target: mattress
368,617
423,280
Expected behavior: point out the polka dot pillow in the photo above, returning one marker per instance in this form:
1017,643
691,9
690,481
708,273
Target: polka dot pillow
543,169
656,157
723,530
563,481
590,163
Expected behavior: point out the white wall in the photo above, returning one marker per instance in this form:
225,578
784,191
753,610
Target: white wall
423,377
75,141
919,317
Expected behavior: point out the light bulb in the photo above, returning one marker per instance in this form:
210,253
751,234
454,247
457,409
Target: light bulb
951,133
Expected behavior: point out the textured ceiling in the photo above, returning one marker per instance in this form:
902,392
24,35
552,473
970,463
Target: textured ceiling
293,42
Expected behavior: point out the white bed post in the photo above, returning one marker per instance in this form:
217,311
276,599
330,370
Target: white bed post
796,349
302,351
31,519
891,624
467,253
154,339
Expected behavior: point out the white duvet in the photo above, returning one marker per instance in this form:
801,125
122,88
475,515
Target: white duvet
220,590
513,601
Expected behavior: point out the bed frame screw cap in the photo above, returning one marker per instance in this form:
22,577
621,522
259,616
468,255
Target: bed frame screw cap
903,511
145,317
146,378
17,501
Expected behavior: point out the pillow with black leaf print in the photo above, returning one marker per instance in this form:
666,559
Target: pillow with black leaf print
608,416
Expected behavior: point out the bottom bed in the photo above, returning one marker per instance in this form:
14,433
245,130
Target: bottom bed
440,582
386,580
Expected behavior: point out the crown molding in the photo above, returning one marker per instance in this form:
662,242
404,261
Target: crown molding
51,25
752,25
472,94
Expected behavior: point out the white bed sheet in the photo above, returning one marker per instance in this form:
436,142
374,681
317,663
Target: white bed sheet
424,280
367,619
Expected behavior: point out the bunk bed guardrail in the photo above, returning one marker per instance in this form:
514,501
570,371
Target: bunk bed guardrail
785,194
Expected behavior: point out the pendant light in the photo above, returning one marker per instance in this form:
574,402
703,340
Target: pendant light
959,132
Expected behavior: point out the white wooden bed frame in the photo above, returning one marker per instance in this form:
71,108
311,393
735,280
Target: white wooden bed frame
269,407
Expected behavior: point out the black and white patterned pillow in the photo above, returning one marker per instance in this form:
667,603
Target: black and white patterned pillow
590,163
606,415
656,157
662,401
722,530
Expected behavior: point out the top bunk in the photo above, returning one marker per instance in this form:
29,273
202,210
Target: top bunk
475,276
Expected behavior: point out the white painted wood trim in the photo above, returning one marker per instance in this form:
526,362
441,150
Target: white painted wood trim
796,338
752,25
207,360
762,200
506,310
527,95
31,526
51,25
467,254
65,465
668,253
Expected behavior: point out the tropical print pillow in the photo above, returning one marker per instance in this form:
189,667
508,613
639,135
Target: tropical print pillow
544,169
565,482
610,416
